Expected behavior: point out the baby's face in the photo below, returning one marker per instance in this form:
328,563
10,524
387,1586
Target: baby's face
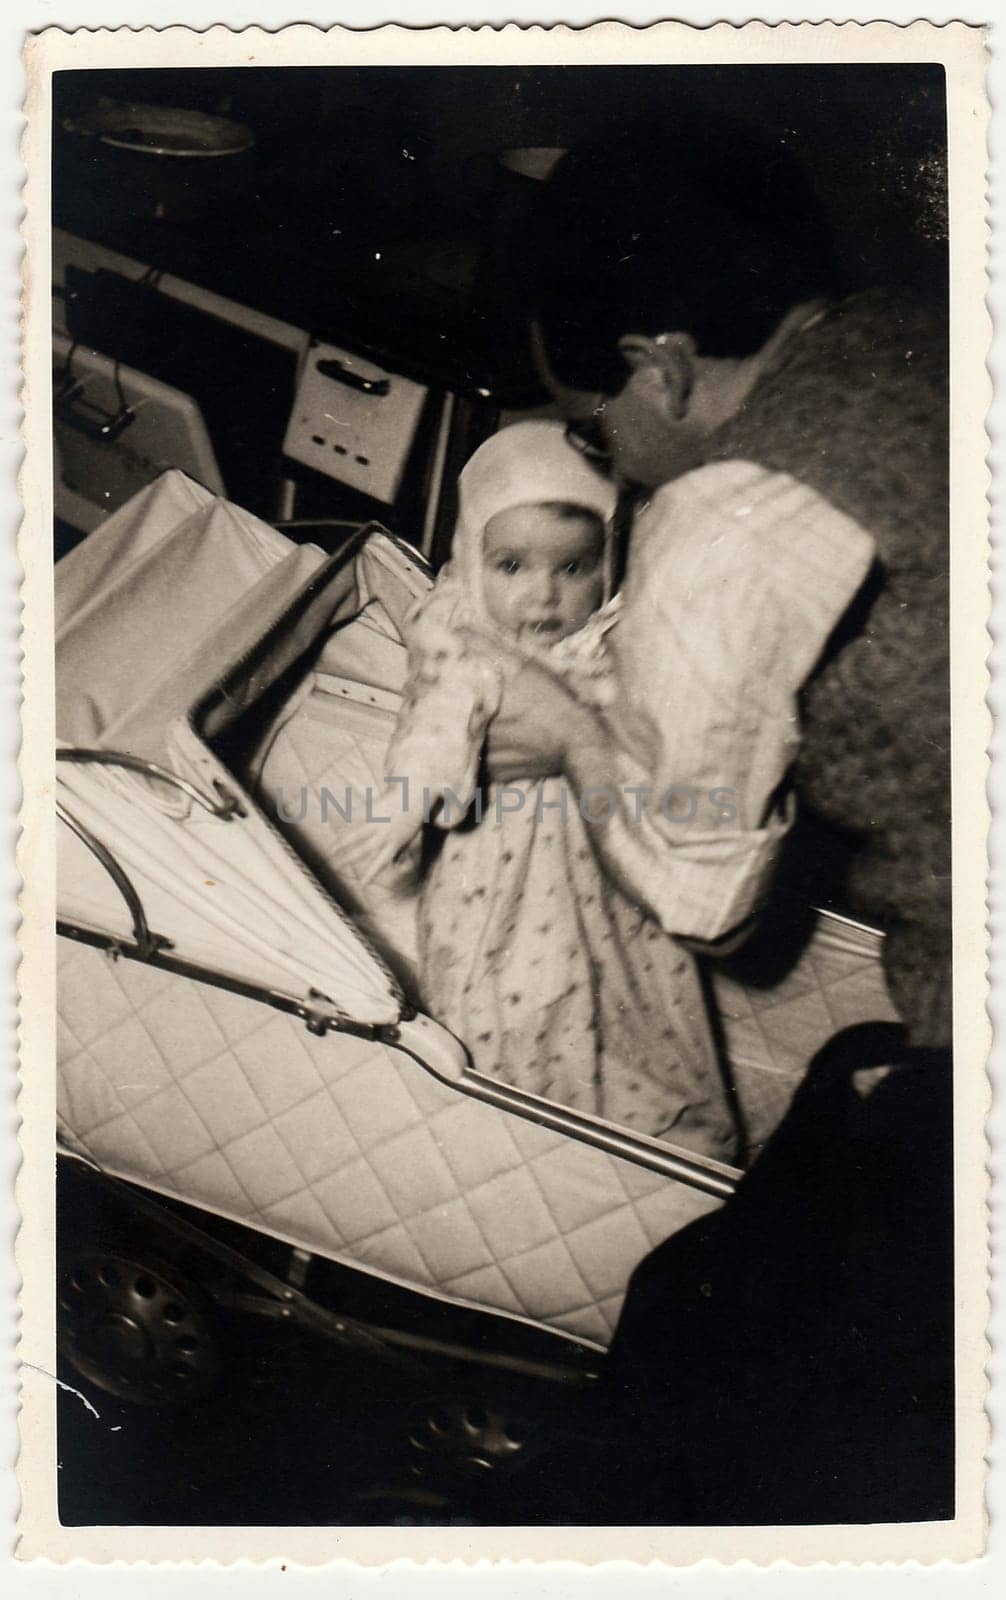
542,571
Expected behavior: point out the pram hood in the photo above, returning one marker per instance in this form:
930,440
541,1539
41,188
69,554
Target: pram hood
172,620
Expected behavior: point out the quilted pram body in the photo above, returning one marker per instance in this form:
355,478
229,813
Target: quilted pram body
186,1066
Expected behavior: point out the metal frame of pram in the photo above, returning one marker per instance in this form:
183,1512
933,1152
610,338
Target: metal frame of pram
427,1044
195,1263
233,1277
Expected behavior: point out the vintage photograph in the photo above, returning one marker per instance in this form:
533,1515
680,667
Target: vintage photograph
502,638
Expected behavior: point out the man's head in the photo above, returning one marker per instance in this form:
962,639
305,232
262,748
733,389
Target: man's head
659,266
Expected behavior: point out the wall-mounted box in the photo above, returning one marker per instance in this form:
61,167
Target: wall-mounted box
354,421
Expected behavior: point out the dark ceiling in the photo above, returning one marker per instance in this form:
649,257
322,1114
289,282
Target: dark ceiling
376,190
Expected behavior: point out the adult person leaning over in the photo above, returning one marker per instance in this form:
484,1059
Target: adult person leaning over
789,1358
690,322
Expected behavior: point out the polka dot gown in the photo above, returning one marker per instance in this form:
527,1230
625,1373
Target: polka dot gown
558,985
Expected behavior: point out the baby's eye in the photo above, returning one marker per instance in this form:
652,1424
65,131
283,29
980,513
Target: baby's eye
508,564
572,568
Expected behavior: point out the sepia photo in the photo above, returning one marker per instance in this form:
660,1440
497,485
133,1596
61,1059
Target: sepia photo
511,1052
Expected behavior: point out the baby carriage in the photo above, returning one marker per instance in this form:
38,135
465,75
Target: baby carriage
272,1124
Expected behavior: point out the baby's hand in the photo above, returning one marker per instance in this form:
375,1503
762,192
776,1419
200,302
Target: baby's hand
540,718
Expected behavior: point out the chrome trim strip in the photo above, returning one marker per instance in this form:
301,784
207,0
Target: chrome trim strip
440,1054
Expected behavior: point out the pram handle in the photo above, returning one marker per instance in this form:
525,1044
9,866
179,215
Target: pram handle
147,943
224,808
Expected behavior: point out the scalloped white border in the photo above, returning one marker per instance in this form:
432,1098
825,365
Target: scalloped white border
961,49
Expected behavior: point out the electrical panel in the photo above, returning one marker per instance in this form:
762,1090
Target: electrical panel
354,421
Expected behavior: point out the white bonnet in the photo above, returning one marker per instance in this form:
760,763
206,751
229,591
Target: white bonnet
528,463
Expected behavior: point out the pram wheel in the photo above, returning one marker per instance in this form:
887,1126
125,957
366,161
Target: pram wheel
452,1451
456,1436
466,1457
135,1328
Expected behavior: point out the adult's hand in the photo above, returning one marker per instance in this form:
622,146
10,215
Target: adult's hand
535,727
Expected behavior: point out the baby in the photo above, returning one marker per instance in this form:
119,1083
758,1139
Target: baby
556,982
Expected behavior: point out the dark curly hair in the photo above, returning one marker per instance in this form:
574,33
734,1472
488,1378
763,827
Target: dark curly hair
706,227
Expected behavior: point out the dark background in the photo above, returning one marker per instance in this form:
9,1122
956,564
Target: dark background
349,161
373,211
